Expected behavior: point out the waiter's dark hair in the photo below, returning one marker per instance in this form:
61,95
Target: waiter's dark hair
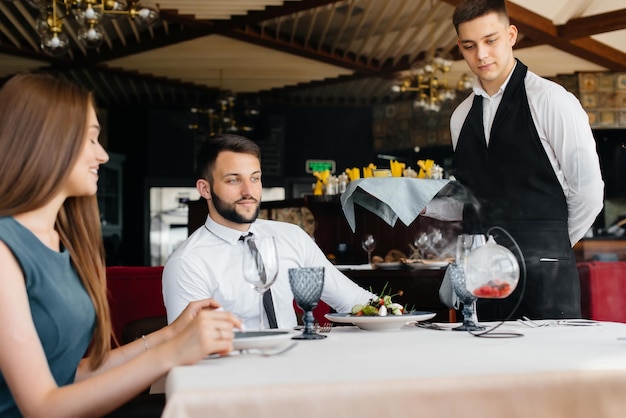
212,146
471,9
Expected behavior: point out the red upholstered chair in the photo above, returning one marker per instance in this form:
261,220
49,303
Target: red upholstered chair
136,301
134,294
603,290
318,313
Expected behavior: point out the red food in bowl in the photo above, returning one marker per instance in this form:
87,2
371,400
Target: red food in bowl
493,289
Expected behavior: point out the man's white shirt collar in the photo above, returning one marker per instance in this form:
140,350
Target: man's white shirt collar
479,91
227,234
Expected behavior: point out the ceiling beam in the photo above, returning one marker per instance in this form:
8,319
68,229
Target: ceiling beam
182,28
592,25
297,47
544,31
271,12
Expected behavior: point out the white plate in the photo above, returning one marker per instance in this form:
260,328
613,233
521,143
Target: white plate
389,266
428,265
353,267
380,323
261,340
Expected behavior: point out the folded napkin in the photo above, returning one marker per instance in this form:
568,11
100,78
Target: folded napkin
447,295
390,197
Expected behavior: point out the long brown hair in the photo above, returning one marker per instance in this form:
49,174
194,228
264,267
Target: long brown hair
43,121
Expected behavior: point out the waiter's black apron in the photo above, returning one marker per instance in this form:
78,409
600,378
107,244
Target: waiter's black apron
516,188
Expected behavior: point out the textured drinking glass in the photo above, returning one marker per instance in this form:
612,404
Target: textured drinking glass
457,278
464,245
307,284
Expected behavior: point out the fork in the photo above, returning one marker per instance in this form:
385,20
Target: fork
431,325
530,323
325,327
270,352
572,322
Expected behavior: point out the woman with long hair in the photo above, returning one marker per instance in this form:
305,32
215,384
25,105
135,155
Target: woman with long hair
55,331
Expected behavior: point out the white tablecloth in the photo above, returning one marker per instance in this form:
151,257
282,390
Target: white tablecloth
391,198
555,371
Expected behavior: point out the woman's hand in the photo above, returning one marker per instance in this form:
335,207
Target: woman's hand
210,331
191,311
204,328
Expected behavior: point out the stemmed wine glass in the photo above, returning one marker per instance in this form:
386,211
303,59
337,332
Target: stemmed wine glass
465,244
428,245
369,244
260,266
421,244
307,284
436,240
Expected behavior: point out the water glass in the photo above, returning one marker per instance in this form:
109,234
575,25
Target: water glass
307,284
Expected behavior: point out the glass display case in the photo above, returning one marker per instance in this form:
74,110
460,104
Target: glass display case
110,196
168,220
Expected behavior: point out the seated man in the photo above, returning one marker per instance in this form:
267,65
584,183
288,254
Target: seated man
209,262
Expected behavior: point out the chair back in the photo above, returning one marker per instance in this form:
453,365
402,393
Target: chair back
603,290
134,293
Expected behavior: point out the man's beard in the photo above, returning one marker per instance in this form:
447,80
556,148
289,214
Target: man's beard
229,212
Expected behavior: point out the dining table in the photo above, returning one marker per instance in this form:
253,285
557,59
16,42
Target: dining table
518,369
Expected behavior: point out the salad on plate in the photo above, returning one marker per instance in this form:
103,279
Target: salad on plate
379,306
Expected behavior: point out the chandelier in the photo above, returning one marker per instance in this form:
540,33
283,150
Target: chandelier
89,15
429,79
225,117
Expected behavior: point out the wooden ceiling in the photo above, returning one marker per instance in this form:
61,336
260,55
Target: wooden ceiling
300,51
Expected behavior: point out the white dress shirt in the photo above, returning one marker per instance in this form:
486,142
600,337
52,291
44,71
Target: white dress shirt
564,131
209,265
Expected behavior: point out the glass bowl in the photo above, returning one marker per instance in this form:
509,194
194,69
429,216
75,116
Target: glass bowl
491,271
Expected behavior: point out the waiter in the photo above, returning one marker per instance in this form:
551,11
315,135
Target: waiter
525,150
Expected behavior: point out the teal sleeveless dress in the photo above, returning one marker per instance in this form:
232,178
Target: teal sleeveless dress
61,309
